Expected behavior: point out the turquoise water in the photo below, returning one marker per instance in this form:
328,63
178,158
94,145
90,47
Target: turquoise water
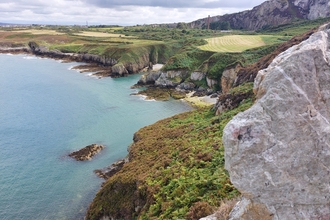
47,111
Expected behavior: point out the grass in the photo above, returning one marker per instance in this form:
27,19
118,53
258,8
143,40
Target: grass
100,34
239,43
295,28
39,32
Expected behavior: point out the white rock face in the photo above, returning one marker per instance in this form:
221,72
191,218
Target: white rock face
197,76
318,8
278,151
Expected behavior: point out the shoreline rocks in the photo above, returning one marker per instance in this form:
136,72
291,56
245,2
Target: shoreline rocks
87,152
111,170
102,65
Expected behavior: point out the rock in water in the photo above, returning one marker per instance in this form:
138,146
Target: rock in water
111,170
87,152
278,151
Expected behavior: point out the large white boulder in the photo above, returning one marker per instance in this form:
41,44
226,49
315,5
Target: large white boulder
278,151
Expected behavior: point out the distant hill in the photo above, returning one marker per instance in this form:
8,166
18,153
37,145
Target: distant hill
269,13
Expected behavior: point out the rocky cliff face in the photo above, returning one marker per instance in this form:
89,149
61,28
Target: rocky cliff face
271,13
113,67
277,152
90,58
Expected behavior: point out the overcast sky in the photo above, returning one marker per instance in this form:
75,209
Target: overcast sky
122,12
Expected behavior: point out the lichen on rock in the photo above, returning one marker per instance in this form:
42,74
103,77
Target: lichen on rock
278,151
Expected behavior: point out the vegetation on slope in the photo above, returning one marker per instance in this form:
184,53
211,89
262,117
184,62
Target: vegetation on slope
294,28
176,166
135,47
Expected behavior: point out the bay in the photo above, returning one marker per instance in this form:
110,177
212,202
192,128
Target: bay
47,111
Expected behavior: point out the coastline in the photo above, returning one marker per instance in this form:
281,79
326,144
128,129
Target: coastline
99,70
157,110
85,66
193,101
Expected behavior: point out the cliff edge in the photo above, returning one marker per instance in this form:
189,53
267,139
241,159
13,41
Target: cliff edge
278,152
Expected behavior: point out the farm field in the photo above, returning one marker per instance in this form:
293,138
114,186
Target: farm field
99,34
93,41
238,43
39,32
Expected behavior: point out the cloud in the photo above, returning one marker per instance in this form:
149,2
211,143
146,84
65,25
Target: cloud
121,12
176,3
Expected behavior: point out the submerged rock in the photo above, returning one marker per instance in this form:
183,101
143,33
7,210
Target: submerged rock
278,152
87,152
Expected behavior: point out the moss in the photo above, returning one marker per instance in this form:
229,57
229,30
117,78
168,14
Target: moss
156,93
177,95
162,94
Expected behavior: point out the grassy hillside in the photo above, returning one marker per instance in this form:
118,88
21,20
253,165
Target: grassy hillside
295,28
176,167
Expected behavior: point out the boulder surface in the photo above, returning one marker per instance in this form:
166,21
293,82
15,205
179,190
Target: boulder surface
278,151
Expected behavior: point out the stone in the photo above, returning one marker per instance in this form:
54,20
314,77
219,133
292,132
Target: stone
210,217
186,86
87,152
228,78
171,79
119,70
197,76
211,82
111,170
149,78
277,152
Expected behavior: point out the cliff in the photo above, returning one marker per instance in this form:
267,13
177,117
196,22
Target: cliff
216,72
277,152
175,171
114,62
271,13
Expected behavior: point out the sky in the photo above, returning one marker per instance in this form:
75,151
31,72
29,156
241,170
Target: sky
116,12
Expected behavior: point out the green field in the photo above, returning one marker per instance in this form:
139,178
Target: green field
238,43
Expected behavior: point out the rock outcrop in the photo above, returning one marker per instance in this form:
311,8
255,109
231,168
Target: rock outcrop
165,84
278,151
125,61
271,13
228,77
180,80
119,70
88,58
111,170
149,78
171,79
87,152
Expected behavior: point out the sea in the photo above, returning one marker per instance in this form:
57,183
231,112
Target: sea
48,110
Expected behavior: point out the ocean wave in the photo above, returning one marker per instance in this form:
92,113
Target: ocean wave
91,74
30,58
71,67
144,98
